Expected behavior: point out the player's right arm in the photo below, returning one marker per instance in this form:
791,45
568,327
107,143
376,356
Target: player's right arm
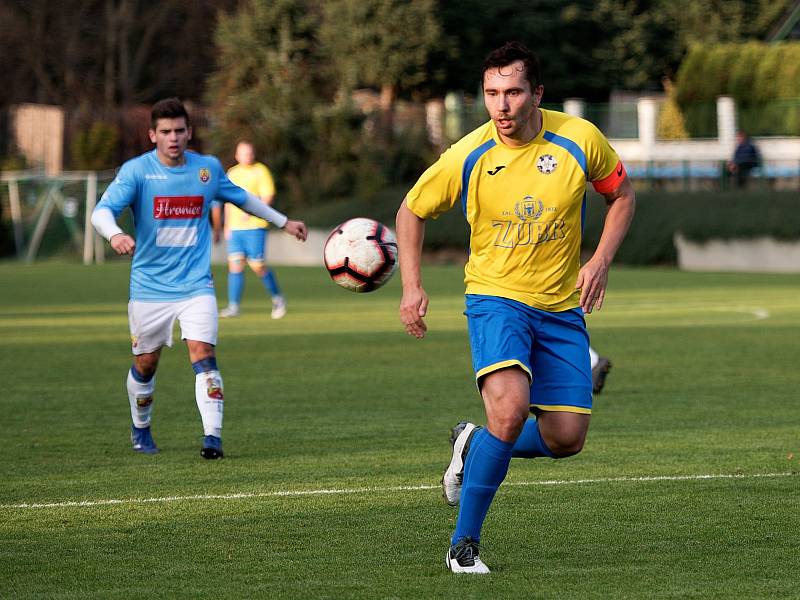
119,195
436,191
414,303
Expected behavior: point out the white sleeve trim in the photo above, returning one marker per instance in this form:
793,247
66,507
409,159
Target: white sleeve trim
255,206
105,223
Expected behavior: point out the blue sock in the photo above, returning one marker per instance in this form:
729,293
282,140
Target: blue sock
204,365
235,287
485,468
139,377
271,283
530,444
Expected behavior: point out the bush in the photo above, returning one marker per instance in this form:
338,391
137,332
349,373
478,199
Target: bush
699,216
740,80
763,79
95,149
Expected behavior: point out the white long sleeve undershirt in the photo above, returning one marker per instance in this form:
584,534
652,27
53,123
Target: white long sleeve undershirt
255,206
106,225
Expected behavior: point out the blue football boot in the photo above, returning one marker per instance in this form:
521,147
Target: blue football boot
212,447
142,440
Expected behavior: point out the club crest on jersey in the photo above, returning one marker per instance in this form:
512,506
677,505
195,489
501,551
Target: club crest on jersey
546,164
529,208
205,175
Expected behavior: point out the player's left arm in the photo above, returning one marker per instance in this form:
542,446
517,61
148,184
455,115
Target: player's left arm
593,276
616,188
256,207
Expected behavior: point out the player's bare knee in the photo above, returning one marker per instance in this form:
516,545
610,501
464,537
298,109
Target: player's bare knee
507,425
146,364
565,447
566,441
199,350
259,269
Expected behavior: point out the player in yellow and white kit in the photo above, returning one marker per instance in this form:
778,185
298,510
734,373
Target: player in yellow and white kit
246,235
520,181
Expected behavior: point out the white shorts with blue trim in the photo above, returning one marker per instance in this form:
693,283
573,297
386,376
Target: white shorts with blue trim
151,323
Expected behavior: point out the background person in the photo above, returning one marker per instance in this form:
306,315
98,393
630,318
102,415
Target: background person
520,181
170,190
600,366
746,157
246,234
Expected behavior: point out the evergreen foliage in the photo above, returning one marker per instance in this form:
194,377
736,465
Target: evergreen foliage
273,86
264,87
94,149
671,123
763,79
699,216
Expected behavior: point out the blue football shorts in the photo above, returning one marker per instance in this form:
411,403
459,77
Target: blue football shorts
248,244
551,347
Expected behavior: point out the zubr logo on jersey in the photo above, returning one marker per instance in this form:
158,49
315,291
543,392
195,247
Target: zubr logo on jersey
529,229
177,207
529,208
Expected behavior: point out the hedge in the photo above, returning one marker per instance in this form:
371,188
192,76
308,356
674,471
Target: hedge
764,79
698,215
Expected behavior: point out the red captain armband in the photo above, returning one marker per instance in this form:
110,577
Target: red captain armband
612,182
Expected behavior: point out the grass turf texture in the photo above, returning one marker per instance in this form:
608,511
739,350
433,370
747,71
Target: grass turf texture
336,397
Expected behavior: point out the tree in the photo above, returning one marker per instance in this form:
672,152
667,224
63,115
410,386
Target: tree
588,48
383,43
105,52
264,85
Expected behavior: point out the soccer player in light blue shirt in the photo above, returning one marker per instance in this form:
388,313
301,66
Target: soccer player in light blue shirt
169,191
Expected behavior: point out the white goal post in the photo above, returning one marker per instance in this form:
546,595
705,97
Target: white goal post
36,201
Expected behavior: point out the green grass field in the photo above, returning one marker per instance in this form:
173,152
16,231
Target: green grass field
336,427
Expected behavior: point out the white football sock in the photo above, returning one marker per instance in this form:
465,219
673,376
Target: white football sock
593,356
210,400
140,395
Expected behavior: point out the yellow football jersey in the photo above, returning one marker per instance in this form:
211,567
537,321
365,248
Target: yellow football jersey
524,205
256,179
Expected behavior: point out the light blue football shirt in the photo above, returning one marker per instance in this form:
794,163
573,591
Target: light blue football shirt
170,208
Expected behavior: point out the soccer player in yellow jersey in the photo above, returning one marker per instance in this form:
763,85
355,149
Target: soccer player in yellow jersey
246,235
520,181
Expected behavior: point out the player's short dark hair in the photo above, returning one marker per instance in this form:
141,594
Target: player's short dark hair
509,53
168,108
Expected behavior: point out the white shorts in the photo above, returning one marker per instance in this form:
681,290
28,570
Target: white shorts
151,322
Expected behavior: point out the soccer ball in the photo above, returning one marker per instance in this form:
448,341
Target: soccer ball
361,255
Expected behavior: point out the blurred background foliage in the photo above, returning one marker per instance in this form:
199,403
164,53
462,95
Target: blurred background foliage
290,75
764,79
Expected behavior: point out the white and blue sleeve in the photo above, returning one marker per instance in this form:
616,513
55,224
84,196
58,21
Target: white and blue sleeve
117,197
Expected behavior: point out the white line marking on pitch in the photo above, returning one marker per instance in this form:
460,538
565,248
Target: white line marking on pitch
373,490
